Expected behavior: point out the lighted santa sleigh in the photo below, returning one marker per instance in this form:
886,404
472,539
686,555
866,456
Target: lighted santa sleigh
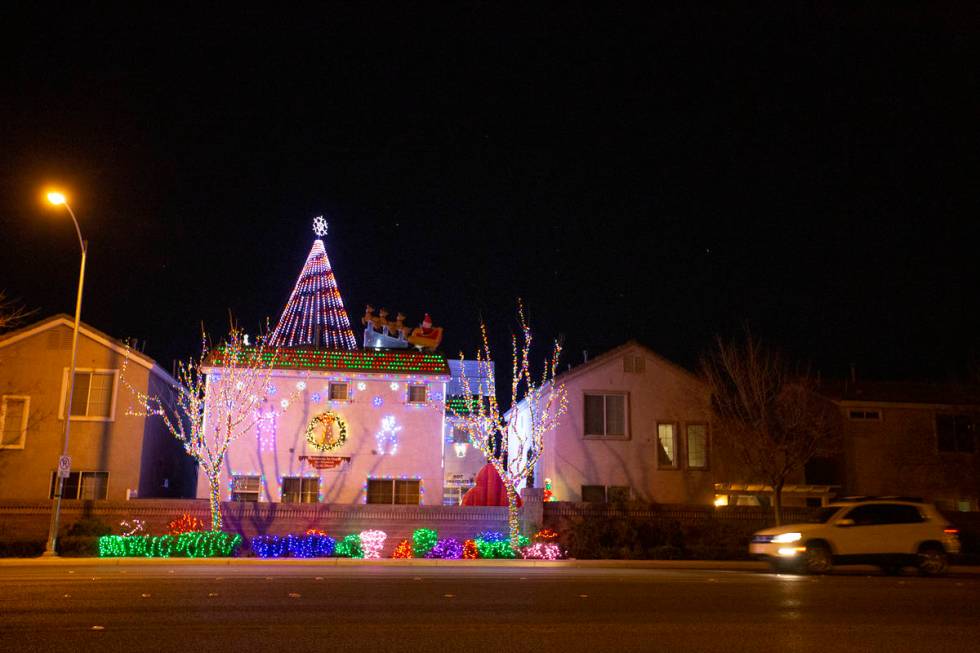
382,333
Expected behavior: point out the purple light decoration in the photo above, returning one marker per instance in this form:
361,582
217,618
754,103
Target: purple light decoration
314,314
377,402
448,549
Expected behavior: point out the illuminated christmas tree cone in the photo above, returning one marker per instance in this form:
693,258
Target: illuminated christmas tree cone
315,314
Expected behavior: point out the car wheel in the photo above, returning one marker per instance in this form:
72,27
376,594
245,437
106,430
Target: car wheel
932,561
817,558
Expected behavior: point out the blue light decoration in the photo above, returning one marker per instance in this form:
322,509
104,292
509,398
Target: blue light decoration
387,437
377,402
310,545
315,397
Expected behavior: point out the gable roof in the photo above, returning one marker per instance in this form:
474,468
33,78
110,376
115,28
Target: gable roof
62,319
611,354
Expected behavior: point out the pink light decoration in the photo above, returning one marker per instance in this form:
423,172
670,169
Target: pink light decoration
541,551
372,542
314,314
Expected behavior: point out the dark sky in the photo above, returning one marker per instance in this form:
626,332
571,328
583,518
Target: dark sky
666,174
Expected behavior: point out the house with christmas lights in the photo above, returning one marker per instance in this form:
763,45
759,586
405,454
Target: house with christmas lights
114,455
363,425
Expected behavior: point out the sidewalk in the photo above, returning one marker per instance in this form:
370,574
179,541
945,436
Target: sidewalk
672,565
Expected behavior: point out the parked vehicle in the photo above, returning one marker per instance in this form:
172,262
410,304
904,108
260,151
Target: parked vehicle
888,533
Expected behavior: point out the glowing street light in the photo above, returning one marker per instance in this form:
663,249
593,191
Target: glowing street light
59,199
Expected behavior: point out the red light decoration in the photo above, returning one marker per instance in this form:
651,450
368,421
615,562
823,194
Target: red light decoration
470,552
403,550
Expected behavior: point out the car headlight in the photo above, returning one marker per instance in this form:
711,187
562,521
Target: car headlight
784,538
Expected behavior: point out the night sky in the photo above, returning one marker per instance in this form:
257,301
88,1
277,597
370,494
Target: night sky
665,175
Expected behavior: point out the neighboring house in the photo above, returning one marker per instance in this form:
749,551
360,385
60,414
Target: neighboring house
114,455
638,427
916,439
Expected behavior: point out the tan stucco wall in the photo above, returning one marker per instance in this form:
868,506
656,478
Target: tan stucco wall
35,366
899,454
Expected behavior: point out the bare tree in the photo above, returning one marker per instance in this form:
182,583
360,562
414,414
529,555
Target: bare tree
11,312
521,438
769,413
217,398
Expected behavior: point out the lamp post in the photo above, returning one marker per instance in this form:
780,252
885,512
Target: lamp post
59,199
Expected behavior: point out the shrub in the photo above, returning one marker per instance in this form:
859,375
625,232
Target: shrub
78,545
350,547
21,548
89,526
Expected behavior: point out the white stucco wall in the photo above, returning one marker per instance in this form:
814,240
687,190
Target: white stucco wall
274,450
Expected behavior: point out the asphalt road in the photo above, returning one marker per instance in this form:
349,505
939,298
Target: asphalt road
269,607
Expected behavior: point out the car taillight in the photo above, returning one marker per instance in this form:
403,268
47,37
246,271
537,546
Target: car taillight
951,531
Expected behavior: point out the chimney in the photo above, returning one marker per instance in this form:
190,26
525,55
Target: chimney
585,355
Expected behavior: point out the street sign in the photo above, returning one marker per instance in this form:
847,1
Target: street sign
64,466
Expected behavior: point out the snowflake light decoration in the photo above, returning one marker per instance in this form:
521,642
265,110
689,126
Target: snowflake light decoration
320,226
387,437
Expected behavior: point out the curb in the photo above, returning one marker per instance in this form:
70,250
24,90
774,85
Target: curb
666,565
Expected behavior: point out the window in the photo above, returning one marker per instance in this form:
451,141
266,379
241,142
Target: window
880,514
300,490
417,394
618,494
88,486
956,433
244,488
634,364
380,491
697,446
93,394
594,493
407,492
605,416
397,491
13,421
864,414
460,435
666,446
338,392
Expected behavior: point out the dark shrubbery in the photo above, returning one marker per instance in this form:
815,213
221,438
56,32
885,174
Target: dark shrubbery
20,548
655,538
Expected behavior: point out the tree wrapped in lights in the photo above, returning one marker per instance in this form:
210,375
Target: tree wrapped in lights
217,398
541,404
315,314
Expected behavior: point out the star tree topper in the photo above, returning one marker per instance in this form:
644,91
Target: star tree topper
319,226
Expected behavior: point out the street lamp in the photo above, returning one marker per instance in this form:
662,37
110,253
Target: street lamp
64,463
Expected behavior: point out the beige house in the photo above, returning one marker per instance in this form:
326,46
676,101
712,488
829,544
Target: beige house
638,427
114,455
916,439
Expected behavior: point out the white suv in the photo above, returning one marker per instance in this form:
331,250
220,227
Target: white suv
889,533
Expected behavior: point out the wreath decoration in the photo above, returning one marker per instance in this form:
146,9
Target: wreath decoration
326,431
